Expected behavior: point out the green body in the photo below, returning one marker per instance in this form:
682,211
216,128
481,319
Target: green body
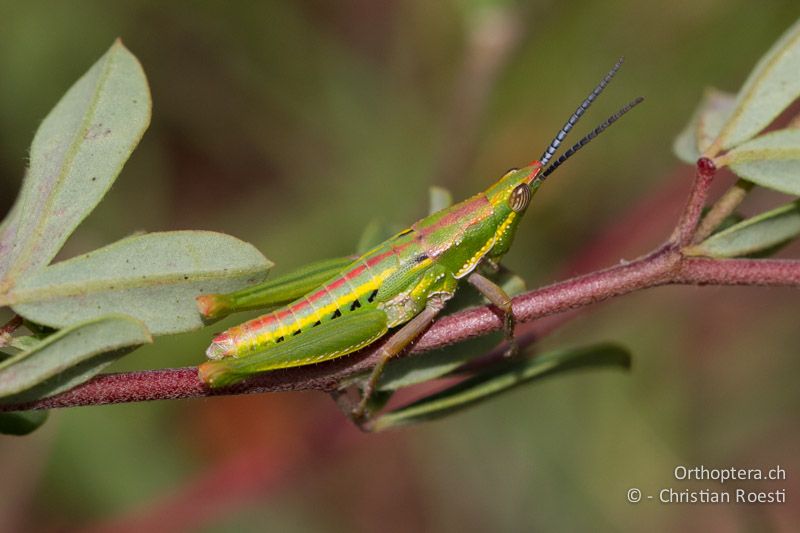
362,299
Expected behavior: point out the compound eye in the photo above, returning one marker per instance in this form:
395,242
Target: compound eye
520,198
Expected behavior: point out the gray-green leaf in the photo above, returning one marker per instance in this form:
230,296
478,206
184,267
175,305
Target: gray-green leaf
772,86
503,378
76,155
21,423
755,234
154,277
69,357
771,160
705,125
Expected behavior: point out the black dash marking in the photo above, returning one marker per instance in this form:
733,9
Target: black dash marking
405,232
420,258
355,305
336,314
372,296
279,339
317,323
297,332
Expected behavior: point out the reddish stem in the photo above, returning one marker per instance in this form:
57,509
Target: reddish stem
664,266
11,326
704,174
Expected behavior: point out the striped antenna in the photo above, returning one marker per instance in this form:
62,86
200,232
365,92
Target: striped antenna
592,134
551,150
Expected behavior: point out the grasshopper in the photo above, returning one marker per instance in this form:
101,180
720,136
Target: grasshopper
338,306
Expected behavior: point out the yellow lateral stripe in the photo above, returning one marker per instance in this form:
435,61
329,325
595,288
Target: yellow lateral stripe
286,330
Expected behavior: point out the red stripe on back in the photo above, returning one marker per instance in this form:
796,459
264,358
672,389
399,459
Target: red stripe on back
355,272
336,284
378,258
317,295
263,321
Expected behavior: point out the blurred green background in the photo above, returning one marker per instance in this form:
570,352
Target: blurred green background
292,125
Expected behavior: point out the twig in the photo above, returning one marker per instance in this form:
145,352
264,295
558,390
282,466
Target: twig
11,326
8,328
664,266
723,207
685,230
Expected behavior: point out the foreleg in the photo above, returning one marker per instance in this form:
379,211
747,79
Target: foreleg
498,297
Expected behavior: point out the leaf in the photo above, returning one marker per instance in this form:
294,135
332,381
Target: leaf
772,86
439,198
22,422
771,160
69,357
375,232
153,277
25,342
503,378
705,125
408,371
755,234
76,155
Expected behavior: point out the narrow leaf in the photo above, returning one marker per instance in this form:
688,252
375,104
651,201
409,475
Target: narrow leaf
153,277
25,342
375,232
771,160
69,357
76,155
705,125
503,378
21,423
753,235
772,86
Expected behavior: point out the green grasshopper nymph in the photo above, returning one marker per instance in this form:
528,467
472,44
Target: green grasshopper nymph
335,307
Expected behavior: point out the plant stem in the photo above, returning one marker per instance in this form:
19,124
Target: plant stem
687,224
8,328
12,325
723,207
664,266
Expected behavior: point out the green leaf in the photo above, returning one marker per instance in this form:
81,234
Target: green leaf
771,160
153,277
21,423
705,125
69,357
375,232
504,377
772,86
439,198
76,155
753,235
408,371
25,342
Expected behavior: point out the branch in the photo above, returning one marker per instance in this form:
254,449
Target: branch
664,266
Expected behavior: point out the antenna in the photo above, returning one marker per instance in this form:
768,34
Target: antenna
591,135
551,150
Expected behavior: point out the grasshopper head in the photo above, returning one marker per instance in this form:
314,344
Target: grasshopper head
516,188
